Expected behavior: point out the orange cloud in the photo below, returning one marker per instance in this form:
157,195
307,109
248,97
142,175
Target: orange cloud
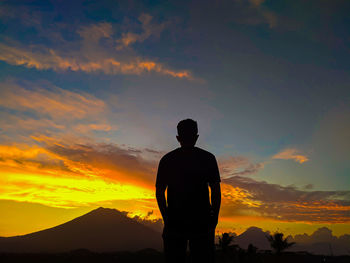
81,158
63,177
91,56
38,107
49,59
291,154
66,191
51,100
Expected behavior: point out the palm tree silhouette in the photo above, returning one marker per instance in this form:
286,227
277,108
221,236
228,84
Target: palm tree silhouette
225,240
252,249
278,243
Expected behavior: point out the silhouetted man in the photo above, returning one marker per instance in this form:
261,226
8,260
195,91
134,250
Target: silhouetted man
187,173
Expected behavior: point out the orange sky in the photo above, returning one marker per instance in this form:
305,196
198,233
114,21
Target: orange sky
61,181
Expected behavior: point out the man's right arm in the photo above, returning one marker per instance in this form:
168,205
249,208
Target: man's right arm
214,184
161,185
160,195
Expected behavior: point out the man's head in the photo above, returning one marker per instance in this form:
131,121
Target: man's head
187,132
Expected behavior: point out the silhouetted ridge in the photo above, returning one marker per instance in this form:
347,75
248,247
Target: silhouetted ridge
253,235
99,230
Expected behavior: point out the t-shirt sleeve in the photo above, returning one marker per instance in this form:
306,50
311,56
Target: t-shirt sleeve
161,180
214,174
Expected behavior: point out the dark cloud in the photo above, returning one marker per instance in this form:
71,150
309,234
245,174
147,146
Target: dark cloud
267,192
292,204
309,186
124,164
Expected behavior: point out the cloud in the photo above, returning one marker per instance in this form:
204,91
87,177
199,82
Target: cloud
82,158
76,171
256,3
109,160
72,174
287,203
148,29
32,158
26,16
51,100
309,186
264,191
43,108
291,154
238,165
69,173
50,59
91,54
253,12
155,224
95,32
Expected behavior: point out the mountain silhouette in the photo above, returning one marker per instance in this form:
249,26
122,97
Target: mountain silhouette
253,235
109,230
101,230
321,242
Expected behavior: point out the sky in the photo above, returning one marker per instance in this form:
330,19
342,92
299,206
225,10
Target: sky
91,93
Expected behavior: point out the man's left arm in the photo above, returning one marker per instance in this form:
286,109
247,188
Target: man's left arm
161,186
214,184
160,195
215,201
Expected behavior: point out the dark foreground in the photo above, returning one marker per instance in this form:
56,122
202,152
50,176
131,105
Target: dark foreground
150,255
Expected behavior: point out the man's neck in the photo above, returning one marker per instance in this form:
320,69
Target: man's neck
187,147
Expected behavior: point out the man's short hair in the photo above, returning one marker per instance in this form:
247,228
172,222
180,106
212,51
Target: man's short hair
187,128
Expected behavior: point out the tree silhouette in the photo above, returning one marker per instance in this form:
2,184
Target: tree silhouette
252,249
225,240
278,243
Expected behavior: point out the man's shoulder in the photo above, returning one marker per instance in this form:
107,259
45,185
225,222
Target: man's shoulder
205,153
170,155
176,153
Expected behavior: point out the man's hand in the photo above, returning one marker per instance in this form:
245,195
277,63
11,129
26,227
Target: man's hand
213,220
160,195
215,203
165,218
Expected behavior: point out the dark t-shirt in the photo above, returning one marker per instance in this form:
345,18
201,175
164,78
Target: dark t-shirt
187,172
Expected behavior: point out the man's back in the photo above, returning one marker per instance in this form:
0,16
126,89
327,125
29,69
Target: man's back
186,172
189,215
